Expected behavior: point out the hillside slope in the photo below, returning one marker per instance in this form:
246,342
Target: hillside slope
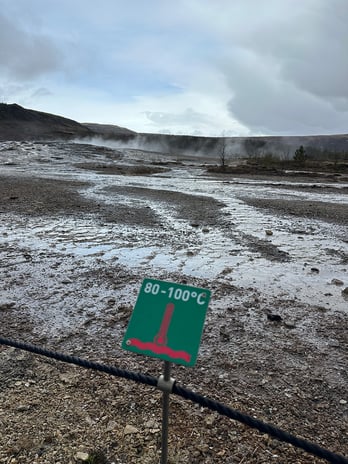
18,123
108,131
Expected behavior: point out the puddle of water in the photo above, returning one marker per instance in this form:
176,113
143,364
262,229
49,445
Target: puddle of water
218,257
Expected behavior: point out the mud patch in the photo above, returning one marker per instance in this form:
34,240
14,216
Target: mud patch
35,196
199,210
121,169
48,197
265,249
329,212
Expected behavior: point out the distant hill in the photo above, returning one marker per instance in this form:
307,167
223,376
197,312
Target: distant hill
18,123
108,130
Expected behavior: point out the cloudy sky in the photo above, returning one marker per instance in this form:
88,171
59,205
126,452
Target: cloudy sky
232,67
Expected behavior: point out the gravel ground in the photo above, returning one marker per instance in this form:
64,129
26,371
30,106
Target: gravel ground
291,372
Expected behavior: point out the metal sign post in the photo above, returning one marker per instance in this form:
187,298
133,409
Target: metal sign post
165,414
167,323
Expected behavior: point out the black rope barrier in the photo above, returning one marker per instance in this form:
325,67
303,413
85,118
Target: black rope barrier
136,377
262,427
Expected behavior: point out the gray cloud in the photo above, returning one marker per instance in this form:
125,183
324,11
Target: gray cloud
26,55
41,92
291,75
189,115
266,103
275,67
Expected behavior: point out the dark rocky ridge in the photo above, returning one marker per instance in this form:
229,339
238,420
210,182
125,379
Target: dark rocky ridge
18,123
108,130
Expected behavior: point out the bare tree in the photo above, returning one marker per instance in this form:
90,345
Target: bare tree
223,153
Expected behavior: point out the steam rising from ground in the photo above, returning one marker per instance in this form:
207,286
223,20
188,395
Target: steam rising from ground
210,147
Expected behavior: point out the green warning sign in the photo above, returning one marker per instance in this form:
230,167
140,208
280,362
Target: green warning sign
167,321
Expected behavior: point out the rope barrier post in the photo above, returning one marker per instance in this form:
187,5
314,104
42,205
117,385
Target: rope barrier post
165,383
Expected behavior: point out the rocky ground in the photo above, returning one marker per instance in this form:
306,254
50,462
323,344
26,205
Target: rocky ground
290,370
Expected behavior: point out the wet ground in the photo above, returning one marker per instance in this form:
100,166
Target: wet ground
81,226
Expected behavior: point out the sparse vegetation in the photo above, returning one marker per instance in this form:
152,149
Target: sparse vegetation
274,164
300,156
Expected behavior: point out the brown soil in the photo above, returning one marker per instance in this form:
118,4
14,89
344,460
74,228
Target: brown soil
121,170
337,214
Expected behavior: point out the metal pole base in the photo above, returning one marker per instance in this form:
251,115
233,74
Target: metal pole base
166,384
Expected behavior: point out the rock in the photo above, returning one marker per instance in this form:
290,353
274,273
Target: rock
129,429
268,232
227,270
289,324
343,402
315,270
224,335
274,317
320,308
333,344
205,230
151,424
23,408
69,378
6,306
336,282
112,425
80,456
209,420
194,224
345,292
